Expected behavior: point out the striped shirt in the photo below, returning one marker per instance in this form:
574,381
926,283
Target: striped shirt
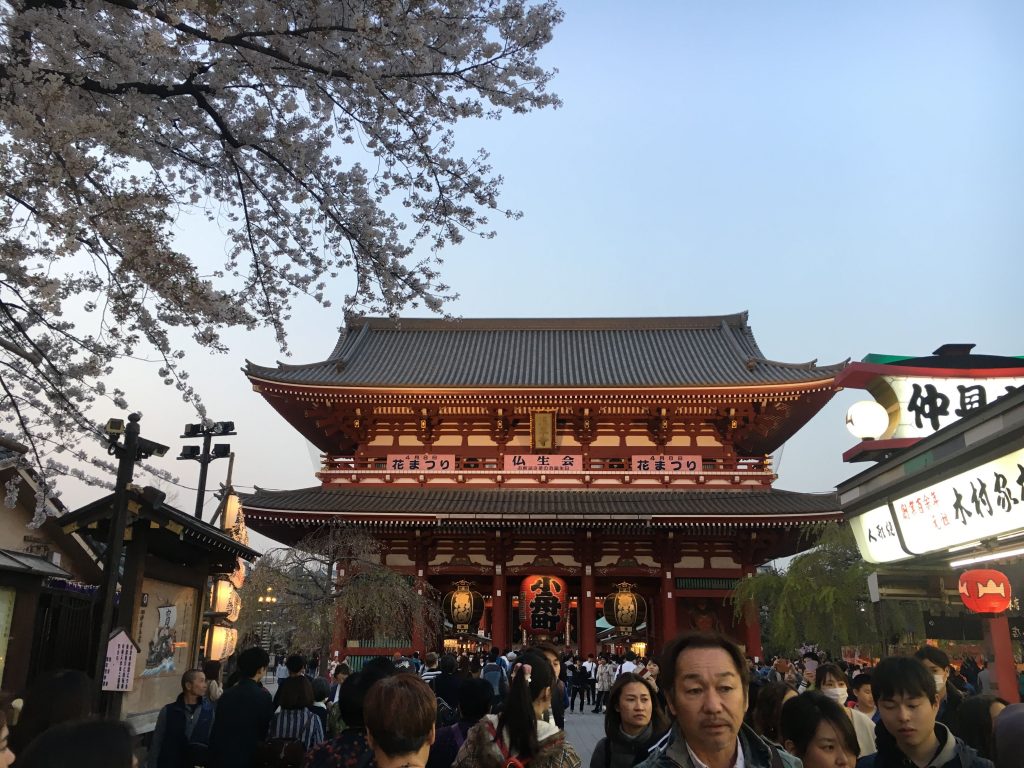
299,724
428,675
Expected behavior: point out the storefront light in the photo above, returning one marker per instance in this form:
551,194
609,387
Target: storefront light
988,557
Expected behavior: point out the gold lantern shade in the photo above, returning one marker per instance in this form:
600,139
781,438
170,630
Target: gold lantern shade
222,642
463,607
624,608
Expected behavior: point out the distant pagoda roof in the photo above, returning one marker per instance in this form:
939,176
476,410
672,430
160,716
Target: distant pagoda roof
654,352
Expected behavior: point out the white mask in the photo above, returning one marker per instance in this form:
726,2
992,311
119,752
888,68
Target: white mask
837,695
940,684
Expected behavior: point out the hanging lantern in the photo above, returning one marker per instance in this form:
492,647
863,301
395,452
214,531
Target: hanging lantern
624,608
463,607
542,605
226,599
237,577
985,591
222,642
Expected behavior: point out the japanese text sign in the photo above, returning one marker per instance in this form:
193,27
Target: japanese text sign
421,462
119,666
542,604
666,464
927,405
978,503
543,463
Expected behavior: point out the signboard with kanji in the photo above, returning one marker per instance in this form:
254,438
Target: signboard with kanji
543,601
119,666
543,462
976,504
665,464
421,462
927,405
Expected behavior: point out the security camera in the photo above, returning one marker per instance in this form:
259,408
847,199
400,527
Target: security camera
149,448
114,427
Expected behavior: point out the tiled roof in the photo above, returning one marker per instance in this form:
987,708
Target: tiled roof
22,562
591,505
717,350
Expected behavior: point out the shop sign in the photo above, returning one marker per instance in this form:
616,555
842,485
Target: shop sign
926,405
979,503
421,462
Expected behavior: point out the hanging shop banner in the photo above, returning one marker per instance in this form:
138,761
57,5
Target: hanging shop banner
980,503
666,464
421,462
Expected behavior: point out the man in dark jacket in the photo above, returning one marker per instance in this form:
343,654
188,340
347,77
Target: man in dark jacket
243,714
936,662
908,734
183,727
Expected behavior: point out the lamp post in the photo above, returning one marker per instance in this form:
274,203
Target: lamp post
207,431
134,448
266,601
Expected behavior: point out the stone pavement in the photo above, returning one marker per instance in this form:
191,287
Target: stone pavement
583,731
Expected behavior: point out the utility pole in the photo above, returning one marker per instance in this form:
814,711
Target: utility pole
133,449
204,456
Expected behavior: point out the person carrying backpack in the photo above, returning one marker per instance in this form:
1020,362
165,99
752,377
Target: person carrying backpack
493,673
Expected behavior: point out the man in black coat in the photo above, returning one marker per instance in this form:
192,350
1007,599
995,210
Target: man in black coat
243,714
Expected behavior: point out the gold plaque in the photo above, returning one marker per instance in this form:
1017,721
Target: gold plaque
542,431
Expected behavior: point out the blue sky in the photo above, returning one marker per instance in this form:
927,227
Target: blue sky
849,172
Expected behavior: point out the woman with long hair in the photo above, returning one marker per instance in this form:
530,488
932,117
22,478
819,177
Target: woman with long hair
519,735
633,723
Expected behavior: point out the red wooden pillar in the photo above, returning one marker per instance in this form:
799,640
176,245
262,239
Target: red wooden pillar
666,610
587,630
752,629
499,611
1002,649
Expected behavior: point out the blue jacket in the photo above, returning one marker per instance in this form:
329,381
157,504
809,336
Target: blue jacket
181,734
953,753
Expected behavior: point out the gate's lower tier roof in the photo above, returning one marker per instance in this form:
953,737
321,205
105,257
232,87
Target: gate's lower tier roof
286,515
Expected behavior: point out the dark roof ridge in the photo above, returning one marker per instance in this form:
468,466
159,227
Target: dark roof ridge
736,319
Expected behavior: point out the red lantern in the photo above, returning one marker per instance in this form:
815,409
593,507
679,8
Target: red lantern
985,591
543,601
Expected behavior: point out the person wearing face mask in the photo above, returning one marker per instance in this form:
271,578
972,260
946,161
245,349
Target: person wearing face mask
830,680
936,662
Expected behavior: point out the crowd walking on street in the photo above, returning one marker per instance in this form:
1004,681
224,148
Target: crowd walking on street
702,704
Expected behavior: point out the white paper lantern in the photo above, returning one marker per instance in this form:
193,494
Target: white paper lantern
867,420
226,600
222,642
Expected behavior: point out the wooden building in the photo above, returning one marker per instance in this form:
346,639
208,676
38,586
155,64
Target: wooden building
596,450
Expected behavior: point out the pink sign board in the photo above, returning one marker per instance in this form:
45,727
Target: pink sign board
421,462
119,666
543,462
666,464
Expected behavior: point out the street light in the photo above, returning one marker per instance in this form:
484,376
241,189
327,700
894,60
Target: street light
266,601
206,430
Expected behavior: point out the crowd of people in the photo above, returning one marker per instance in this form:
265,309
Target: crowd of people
704,706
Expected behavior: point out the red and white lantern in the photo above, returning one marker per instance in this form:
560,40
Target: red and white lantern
985,591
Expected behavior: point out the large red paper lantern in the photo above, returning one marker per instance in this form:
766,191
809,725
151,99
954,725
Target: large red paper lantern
543,601
985,591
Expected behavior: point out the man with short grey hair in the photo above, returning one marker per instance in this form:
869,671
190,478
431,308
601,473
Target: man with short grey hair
705,681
